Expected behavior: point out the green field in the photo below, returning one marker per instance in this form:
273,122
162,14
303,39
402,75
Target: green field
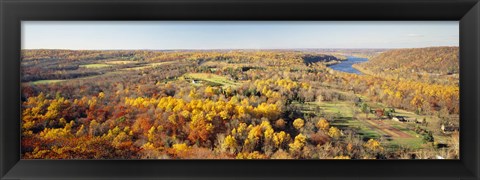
341,108
47,81
80,78
120,62
98,66
95,65
345,115
150,65
412,143
211,79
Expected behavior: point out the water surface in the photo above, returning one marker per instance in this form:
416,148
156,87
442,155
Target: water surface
346,66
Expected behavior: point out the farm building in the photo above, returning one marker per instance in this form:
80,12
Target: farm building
399,118
449,128
410,119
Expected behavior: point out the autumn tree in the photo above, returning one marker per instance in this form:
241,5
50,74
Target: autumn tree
298,123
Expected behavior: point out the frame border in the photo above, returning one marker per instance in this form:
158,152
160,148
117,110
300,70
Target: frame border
12,12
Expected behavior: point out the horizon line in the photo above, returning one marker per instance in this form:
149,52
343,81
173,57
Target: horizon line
201,49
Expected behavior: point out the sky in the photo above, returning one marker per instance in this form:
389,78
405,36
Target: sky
170,35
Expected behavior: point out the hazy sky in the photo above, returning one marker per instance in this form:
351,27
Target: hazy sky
237,34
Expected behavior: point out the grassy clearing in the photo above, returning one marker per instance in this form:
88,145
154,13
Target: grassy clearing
95,66
405,113
343,117
412,143
211,78
67,80
433,124
402,127
340,108
120,62
47,81
220,64
347,116
364,129
412,115
150,65
409,139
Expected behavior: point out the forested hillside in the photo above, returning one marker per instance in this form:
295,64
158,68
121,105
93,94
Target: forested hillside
417,63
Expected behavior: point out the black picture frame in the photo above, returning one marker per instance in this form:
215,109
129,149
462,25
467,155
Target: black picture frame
15,11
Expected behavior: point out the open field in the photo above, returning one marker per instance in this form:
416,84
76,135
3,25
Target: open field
116,62
95,66
347,116
104,72
47,81
149,65
211,78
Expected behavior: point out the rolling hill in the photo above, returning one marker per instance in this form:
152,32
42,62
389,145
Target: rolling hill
415,63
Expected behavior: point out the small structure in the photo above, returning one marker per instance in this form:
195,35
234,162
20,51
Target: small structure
414,120
448,128
399,118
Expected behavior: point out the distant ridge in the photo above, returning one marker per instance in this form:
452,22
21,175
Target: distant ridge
432,60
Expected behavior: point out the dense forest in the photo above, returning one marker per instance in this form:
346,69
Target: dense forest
426,64
230,104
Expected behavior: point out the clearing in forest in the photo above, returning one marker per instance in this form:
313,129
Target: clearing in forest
120,62
211,79
342,114
47,81
150,65
346,115
388,129
95,66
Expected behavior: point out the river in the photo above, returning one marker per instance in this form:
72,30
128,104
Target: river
346,66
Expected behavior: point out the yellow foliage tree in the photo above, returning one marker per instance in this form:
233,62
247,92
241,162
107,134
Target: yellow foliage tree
230,143
298,143
373,145
252,155
341,157
298,123
280,138
209,92
179,148
323,124
334,132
